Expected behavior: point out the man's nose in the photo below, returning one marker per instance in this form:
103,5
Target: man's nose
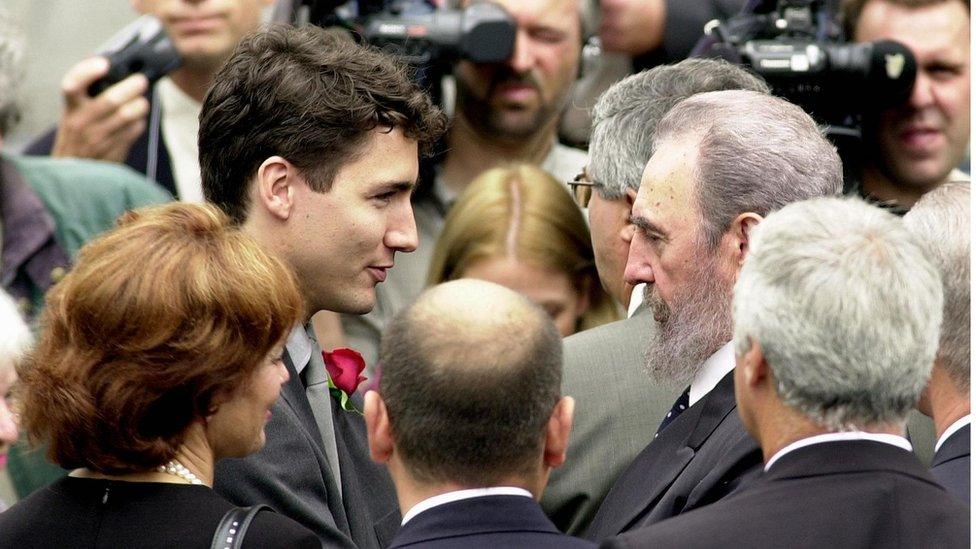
638,267
521,60
922,93
402,233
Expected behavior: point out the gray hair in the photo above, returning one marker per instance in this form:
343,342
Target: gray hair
626,115
940,222
11,71
845,307
756,153
15,336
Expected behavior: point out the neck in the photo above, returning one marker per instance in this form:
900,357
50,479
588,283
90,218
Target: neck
876,184
944,402
472,152
192,81
193,455
410,491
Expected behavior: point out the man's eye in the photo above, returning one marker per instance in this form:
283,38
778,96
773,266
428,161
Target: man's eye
548,36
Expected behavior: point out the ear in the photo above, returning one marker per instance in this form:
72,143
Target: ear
275,187
740,230
557,432
377,428
627,228
755,369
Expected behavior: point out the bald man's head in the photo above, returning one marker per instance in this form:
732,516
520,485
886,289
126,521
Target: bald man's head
471,373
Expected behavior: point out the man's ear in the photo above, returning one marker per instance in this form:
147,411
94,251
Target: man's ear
377,428
275,187
557,432
740,231
755,369
627,228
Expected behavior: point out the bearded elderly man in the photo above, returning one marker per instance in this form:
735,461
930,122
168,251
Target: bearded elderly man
721,161
914,147
505,112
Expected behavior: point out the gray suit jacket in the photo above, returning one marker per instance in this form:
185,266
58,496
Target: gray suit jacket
618,409
292,474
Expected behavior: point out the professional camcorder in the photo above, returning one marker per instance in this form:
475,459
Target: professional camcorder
427,38
799,48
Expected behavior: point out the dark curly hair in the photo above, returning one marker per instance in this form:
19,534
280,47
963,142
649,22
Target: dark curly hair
310,96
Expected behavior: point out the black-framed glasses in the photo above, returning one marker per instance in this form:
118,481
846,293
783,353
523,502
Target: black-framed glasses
583,189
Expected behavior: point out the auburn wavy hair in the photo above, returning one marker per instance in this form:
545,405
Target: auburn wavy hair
159,319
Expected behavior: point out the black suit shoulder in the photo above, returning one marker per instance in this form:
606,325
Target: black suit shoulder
829,497
951,467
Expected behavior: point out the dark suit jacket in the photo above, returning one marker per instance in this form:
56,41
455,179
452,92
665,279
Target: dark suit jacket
138,157
701,457
485,522
845,494
950,466
292,474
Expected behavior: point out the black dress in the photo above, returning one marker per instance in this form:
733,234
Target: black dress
96,513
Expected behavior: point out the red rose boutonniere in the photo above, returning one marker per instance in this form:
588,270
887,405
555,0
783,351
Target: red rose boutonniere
345,367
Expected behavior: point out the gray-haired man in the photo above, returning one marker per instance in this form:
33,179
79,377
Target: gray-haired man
618,404
837,315
940,221
721,162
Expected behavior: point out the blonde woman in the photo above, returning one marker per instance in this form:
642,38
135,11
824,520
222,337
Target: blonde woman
518,227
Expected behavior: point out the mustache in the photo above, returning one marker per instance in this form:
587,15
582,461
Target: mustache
505,75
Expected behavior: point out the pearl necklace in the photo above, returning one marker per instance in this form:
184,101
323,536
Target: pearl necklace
175,468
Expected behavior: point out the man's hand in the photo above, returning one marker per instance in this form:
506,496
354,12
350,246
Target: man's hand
105,126
634,27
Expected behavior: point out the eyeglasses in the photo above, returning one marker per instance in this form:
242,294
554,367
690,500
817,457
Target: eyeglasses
583,189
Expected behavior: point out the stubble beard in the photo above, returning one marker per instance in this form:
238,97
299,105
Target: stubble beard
690,331
488,118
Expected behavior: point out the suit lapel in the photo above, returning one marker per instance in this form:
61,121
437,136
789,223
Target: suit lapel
663,460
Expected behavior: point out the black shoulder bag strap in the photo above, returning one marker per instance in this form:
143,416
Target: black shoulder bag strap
230,531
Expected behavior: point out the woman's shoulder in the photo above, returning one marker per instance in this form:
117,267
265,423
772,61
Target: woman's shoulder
271,529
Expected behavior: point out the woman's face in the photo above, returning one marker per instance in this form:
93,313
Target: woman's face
8,424
236,429
548,288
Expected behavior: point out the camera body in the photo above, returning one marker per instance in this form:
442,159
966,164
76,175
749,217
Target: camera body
142,46
799,48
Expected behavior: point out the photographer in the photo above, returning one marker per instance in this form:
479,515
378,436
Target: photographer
914,147
153,129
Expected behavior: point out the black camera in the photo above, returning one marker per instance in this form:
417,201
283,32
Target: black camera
799,48
142,46
427,38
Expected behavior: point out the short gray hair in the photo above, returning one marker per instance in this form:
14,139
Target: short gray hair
756,153
845,307
11,71
15,338
626,115
940,222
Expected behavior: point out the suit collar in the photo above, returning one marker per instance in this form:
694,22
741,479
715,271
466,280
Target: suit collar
840,457
669,454
956,445
494,514
964,421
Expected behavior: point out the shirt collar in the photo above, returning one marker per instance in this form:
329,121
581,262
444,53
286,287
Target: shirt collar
885,438
636,299
299,346
715,368
459,495
956,425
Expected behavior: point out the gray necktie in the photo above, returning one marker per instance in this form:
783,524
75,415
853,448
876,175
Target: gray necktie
316,380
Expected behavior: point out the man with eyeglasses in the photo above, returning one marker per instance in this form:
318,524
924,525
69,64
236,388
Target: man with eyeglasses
618,405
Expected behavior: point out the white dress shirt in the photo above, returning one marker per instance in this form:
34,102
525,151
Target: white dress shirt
636,298
459,495
715,368
181,124
956,425
894,440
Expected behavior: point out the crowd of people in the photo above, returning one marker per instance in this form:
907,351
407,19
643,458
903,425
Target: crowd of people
280,298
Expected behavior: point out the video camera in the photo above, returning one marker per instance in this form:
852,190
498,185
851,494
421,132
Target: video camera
427,38
799,48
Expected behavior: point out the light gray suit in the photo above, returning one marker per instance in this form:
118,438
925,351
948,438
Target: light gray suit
618,409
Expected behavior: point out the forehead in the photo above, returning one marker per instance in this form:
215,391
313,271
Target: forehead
667,185
562,14
936,31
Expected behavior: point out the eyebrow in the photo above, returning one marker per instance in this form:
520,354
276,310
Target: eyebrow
647,226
